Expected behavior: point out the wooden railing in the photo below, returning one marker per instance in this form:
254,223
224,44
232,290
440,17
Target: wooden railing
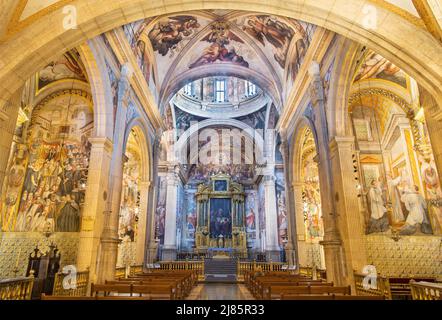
16,289
264,266
426,290
313,273
364,287
75,287
122,272
184,265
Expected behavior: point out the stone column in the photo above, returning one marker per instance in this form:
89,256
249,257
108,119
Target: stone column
151,249
291,248
299,236
141,240
271,219
170,246
109,238
8,122
92,216
347,203
334,260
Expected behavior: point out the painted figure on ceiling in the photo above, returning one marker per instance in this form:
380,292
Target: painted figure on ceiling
217,52
277,33
167,34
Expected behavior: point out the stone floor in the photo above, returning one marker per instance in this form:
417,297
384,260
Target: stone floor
220,291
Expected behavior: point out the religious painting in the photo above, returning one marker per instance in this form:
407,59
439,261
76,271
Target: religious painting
160,211
45,186
166,35
264,28
184,120
255,120
311,192
130,197
143,60
250,207
238,172
432,188
68,66
377,67
302,37
313,223
393,189
220,48
220,185
114,91
220,218
281,206
261,207
134,31
191,218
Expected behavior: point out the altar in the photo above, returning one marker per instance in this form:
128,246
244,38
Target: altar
221,223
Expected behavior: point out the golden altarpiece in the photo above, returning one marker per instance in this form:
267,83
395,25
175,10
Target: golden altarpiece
221,219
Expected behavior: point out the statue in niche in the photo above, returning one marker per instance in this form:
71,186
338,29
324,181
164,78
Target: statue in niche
220,241
378,218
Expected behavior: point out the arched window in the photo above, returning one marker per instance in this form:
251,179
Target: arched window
220,90
189,89
250,89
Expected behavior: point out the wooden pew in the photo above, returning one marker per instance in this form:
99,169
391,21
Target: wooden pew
274,290
105,290
328,297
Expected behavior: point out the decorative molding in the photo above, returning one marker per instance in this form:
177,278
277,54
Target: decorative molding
428,18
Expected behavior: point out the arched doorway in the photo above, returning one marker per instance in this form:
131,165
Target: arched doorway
133,217
307,194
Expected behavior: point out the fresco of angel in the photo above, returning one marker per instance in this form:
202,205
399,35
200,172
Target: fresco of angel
166,35
278,34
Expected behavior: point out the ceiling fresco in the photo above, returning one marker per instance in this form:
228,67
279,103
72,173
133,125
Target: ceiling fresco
272,46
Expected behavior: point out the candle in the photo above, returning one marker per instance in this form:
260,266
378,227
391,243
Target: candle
18,259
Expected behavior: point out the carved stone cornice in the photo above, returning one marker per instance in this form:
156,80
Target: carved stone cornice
355,98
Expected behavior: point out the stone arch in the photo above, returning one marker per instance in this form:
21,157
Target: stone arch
181,144
138,127
309,253
396,38
100,89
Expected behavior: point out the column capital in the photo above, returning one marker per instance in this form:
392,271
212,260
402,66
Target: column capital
102,142
341,142
269,180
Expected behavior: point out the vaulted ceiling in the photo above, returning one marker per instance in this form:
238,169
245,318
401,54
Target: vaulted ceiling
265,49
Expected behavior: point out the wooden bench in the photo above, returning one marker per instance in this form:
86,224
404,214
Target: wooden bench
274,290
104,290
77,298
328,297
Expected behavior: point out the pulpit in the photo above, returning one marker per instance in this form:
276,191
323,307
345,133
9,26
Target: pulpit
221,215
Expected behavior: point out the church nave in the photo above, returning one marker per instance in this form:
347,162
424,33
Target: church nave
218,150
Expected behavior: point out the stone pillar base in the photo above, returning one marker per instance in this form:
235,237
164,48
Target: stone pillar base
273,255
168,254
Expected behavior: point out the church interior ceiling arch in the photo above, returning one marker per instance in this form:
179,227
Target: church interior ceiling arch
219,125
